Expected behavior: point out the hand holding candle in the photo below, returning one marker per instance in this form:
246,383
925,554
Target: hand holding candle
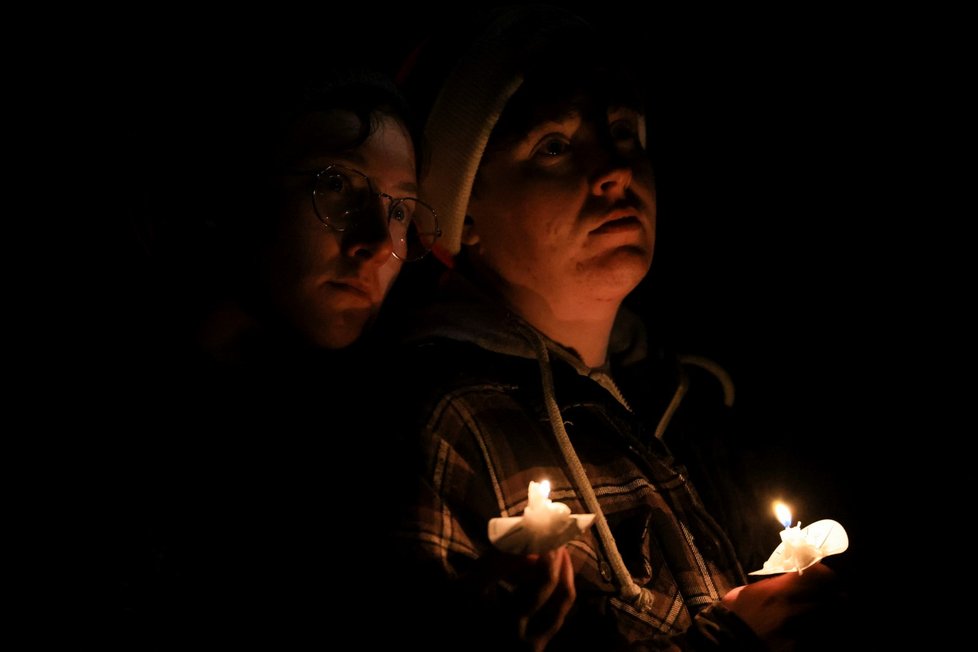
800,548
545,525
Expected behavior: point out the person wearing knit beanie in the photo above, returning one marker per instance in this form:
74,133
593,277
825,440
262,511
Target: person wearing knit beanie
474,96
527,367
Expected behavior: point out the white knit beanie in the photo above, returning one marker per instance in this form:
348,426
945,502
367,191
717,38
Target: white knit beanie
474,96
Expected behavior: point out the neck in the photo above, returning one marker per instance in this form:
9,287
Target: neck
584,326
577,320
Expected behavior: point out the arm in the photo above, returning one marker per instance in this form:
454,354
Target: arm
787,612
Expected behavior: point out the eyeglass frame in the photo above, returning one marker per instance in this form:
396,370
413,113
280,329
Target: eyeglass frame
372,188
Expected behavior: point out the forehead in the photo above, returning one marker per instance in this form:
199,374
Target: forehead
554,96
323,132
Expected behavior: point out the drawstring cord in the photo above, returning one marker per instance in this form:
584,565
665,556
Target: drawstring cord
630,591
697,360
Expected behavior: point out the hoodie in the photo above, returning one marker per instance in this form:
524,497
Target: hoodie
494,404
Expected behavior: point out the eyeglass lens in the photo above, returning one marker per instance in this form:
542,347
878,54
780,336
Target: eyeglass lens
341,194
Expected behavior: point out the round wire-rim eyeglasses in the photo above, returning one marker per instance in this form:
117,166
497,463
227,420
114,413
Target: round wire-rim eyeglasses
340,193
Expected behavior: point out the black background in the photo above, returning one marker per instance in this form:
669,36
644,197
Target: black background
777,144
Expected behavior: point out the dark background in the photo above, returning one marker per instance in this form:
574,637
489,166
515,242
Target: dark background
777,143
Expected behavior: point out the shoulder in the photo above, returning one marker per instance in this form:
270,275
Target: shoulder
458,390
444,365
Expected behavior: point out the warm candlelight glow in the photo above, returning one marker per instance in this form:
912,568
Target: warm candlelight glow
542,488
783,513
544,525
800,548
540,510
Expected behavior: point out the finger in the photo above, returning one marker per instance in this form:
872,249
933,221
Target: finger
548,620
566,591
533,588
548,574
732,594
816,582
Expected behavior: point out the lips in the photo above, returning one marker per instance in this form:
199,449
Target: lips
353,286
622,224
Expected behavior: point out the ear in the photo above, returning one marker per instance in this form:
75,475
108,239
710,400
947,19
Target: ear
470,233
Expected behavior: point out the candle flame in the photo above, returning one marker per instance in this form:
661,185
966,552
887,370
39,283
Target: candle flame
544,488
783,513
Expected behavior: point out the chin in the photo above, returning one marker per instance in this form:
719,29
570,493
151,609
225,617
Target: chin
623,269
334,341
339,331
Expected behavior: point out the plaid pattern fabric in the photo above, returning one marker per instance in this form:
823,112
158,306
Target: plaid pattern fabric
484,435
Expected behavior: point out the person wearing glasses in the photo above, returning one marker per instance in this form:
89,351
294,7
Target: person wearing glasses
238,484
341,216
527,368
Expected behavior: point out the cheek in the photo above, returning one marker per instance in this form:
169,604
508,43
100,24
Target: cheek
509,231
304,246
388,272
645,180
532,213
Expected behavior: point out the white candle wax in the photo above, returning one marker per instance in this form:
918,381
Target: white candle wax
800,548
798,552
541,513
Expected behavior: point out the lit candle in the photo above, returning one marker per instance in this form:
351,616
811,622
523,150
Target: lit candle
798,553
544,525
800,548
541,513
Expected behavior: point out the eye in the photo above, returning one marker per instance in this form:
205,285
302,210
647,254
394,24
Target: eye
552,146
624,127
624,130
336,182
401,212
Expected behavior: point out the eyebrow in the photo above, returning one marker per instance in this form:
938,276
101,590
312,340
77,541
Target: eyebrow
570,114
558,119
354,160
408,188
350,159
575,113
565,114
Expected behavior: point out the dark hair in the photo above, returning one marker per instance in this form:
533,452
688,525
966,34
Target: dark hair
364,92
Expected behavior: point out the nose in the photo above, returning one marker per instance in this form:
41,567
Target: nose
368,237
612,177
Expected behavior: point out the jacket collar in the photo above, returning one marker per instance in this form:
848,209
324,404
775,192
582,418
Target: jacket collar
467,312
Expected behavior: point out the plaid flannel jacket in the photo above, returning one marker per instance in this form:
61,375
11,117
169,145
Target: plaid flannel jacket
482,434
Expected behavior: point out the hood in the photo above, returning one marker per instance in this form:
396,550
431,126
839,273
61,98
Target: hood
467,312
